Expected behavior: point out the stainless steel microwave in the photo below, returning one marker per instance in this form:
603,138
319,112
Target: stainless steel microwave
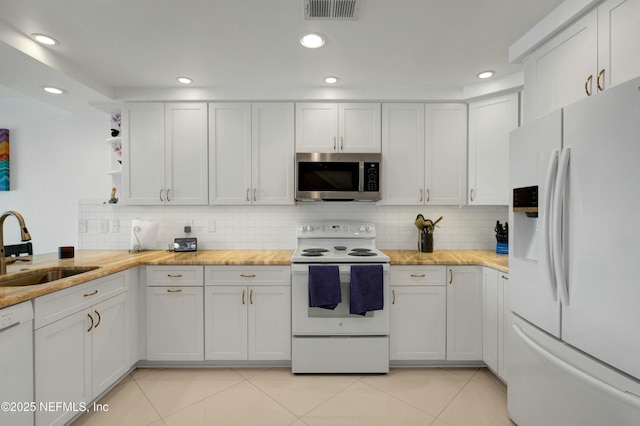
337,177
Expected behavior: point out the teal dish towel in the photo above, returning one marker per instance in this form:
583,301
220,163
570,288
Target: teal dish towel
366,289
324,286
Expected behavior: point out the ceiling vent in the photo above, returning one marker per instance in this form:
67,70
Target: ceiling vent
331,10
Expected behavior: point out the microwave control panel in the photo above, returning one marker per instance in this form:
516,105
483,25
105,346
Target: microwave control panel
372,177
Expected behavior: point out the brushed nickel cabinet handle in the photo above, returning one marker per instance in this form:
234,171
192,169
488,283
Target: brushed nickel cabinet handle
243,297
587,85
174,275
251,297
91,326
418,275
599,83
168,192
254,194
450,276
393,293
247,196
161,191
93,293
99,318
472,194
177,290
341,143
248,275
421,194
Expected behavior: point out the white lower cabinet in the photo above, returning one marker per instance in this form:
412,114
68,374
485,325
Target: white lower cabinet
175,319
418,313
464,313
247,313
495,312
84,350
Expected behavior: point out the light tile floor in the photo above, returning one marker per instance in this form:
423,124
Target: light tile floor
275,396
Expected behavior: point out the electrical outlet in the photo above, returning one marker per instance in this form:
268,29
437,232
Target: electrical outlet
82,225
115,226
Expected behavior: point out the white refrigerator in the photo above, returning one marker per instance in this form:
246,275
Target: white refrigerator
574,270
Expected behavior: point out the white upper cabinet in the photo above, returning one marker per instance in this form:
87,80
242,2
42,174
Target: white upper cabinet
165,153
333,127
251,153
490,122
424,154
594,53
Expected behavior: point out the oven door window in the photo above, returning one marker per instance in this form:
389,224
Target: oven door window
329,176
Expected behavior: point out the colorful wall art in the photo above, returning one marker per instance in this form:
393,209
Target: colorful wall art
4,160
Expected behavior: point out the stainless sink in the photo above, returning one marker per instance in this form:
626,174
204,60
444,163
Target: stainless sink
46,276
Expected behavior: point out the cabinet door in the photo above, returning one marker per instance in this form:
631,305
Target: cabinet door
186,163
464,313
226,322
503,325
418,322
110,348
563,70
230,153
490,122
63,366
143,153
272,158
490,317
403,154
316,127
618,41
175,324
269,323
359,127
445,154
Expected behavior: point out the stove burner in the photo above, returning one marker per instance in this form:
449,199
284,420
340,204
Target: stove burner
315,250
361,249
312,254
362,253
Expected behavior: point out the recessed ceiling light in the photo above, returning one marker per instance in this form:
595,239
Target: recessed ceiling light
54,90
185,80
312,41
44,39
486,74
331,80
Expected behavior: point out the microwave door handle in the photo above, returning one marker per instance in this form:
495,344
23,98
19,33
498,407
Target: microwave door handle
361,177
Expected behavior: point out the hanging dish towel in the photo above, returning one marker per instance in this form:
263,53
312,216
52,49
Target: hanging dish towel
366,289
324,286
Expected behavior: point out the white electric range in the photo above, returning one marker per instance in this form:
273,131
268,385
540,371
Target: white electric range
335,340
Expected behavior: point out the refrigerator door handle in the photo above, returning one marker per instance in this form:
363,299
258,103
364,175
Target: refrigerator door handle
604,387
558,211
552,170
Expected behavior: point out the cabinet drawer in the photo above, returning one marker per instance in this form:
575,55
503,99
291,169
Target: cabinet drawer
60,304
247,275
418,275
172,276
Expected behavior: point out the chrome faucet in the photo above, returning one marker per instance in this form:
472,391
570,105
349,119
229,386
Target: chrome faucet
23,232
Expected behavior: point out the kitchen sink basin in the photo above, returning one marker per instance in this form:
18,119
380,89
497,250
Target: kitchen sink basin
45,276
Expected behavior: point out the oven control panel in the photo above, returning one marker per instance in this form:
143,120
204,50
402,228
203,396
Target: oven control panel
341,229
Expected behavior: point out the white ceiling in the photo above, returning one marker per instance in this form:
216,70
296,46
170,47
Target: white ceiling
114,50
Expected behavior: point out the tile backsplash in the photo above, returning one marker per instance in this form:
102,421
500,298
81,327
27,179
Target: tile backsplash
108,226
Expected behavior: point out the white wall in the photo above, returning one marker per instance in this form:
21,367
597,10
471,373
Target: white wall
56,159
58,177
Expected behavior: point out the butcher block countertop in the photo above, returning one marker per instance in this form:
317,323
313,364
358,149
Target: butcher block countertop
450,257
112,261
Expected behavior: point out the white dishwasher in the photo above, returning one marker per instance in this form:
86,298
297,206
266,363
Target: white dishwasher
16,365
